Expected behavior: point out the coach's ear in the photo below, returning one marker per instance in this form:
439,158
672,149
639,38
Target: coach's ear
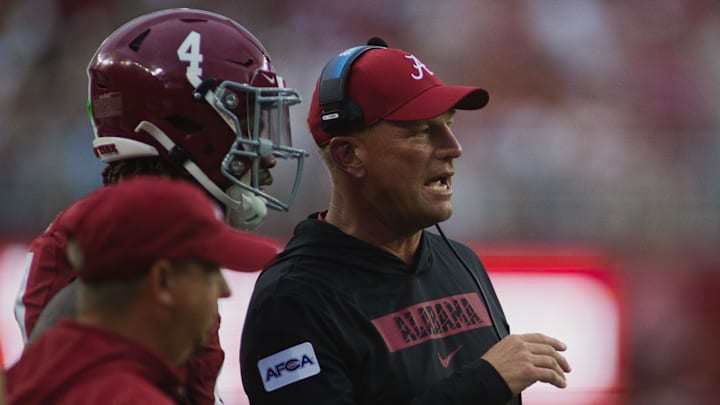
344,152
160,282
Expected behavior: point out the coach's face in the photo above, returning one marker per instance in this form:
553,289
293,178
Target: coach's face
199,286
408,170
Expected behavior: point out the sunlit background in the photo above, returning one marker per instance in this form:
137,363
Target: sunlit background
602,136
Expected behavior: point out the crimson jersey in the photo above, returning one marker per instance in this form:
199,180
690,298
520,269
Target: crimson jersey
79,364
335,320
48,271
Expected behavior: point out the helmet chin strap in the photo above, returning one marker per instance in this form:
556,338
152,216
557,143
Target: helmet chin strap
250,214
243,209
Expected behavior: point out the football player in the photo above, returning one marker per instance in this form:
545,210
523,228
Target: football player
184,94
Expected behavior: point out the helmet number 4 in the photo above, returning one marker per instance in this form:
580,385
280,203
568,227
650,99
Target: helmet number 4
189,51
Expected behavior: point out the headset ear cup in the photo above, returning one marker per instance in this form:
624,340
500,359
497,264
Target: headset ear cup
340,114
353,114
350,116
329,126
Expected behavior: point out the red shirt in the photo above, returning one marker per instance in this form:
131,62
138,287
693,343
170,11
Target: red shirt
79,364
48,271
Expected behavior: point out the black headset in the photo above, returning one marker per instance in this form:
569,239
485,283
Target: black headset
337,111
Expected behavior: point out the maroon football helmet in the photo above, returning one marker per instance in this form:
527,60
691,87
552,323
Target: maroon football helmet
198,89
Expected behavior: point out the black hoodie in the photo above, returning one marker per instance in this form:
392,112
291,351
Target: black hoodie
335,320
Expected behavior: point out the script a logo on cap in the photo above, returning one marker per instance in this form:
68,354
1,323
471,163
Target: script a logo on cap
288,366
419,66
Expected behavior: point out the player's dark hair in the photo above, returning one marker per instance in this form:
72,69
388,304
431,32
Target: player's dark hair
115,171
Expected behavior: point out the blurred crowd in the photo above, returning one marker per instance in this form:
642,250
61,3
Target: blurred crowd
603,128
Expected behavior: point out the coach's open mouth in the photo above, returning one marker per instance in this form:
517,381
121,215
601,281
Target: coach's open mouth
441,183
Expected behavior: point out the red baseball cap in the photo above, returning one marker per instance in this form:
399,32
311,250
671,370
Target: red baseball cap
392,84
119,231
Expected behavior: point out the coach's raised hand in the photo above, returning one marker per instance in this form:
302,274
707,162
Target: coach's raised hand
522,360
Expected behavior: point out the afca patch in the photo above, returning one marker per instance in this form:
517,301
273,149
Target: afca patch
288,366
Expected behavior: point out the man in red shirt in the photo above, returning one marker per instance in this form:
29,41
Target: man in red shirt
147,253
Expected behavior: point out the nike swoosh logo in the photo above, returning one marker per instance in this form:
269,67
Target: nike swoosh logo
445,361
